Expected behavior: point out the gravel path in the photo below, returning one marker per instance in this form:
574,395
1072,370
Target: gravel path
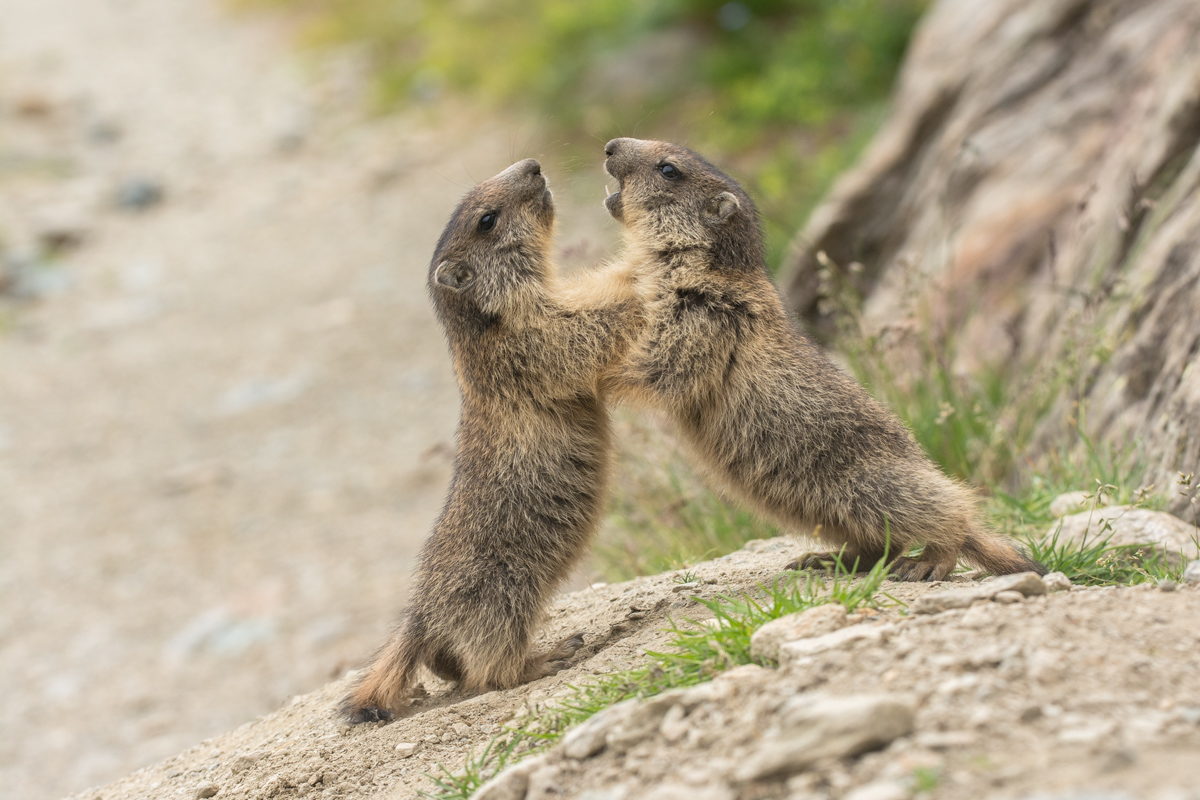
224,416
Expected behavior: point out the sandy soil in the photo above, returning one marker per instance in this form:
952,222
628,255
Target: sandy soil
224,417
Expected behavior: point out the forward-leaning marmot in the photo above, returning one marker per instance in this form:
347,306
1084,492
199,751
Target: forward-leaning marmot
532,457
766,412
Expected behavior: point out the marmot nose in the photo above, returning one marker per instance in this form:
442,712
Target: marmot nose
612,146
529,166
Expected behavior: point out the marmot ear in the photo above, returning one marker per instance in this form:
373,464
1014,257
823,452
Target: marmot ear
720,208
452,274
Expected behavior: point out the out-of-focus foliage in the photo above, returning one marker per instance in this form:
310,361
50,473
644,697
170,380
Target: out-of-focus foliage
784,91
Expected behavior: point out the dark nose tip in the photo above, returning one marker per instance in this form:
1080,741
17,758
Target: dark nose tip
611,147
530,166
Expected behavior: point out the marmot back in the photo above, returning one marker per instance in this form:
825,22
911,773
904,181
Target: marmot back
532,459
768,415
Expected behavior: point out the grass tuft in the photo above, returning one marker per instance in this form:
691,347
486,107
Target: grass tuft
1096,561
925,779
724,642
476,771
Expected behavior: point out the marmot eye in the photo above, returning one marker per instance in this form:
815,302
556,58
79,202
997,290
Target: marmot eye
488,221
669,172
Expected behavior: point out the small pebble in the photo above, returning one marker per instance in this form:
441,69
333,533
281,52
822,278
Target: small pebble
1119,758
1167,586
139,194
1009,597
1056,582
879,790
274,785
1192,573
406,749
104,132
461,728
243,763
685,587
207,789
1031,713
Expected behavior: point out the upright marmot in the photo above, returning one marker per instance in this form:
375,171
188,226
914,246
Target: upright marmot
532,457
766,412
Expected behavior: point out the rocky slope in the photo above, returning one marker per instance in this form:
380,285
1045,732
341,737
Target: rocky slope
1033,200
1029,693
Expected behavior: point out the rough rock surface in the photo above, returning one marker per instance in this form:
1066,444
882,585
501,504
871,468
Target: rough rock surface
1027,584
813,727
1088,690
1056,582
1036,185
790,652
1126,525
813,622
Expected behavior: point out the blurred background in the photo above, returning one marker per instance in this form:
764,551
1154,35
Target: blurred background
785,91
226,412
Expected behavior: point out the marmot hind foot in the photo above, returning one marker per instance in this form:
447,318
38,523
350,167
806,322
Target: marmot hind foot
918,569
360,714
930,566
556,660
834,561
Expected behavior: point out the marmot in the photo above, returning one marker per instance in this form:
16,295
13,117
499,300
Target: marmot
532,456
768,415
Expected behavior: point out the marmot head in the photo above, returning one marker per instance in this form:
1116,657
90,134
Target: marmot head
670,198
495,251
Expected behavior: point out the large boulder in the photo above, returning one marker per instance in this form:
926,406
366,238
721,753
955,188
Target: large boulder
1035,191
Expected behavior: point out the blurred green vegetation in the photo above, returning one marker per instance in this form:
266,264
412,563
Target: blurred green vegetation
670,522
784,92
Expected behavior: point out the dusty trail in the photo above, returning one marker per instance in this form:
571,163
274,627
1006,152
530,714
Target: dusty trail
224,425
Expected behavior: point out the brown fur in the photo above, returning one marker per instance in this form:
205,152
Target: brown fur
532,457
766,412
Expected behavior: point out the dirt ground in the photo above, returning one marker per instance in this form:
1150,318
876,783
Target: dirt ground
1088,693
225,407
